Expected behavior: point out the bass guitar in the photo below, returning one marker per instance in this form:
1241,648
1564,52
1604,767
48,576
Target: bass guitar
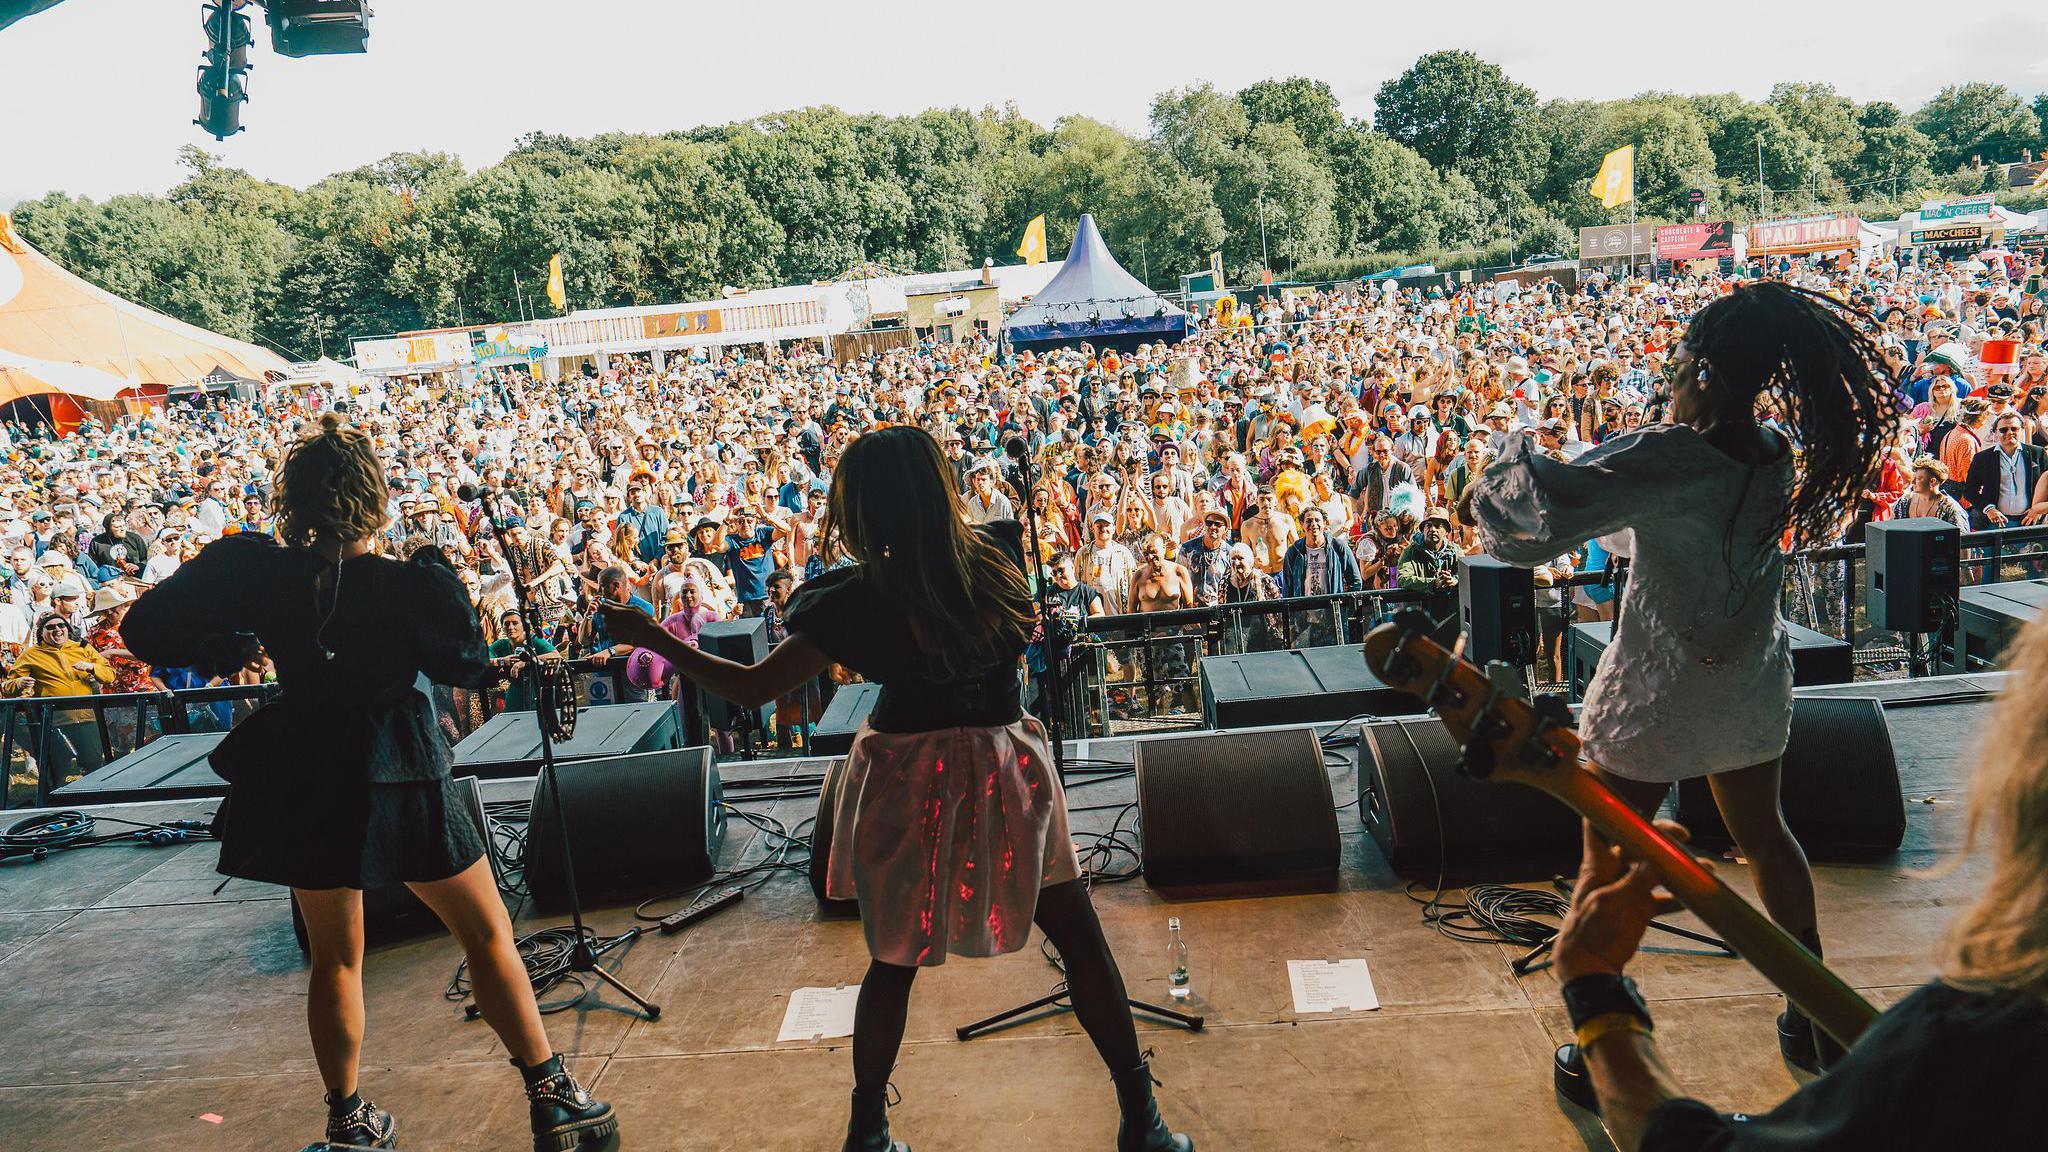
1508,737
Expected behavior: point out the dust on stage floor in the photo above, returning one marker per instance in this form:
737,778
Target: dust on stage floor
136,1000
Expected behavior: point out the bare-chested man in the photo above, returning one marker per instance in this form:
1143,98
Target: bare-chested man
1270,531
1162,584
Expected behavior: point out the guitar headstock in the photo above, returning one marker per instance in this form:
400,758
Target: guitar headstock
1504,734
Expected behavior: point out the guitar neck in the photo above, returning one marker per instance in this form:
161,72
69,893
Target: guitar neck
1818,992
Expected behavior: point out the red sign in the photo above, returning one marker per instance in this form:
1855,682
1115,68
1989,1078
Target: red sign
1696,241
1807,234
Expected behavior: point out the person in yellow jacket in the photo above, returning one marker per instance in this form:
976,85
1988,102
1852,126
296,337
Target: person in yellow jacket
61,664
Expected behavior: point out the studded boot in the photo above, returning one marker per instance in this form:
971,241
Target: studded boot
564,1116
1141,1129
356,1123
868,1129
1801,1042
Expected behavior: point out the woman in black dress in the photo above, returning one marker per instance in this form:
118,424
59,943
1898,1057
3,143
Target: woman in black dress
950,827
343,784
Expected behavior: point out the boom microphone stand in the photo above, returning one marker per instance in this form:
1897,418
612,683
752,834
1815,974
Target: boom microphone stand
1053,645
582,956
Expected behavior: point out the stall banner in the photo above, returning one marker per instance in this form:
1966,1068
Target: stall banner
1696,241
1953,234
698,323
503,342
1804,234
1932,210
1611,241
403,353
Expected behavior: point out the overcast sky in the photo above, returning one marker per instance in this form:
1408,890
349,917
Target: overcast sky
96,96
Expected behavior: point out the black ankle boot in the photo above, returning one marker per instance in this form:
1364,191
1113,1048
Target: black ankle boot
1800,1042
1568,1076
564,1116
1141,1129
868,1130
357,1123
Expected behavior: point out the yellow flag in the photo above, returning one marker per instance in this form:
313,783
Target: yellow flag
1033,247
1616,183
555,294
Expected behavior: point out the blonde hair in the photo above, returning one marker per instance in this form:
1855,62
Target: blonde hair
2001,942
330,487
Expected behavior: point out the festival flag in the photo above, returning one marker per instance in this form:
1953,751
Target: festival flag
2041,181
1033,247
1616,183
555,294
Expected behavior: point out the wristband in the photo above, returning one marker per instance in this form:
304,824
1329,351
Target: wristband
1600,993
1589,1033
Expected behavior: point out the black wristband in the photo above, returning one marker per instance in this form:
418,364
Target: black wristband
1600,993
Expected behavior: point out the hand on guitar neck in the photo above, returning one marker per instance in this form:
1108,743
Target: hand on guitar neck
1506,737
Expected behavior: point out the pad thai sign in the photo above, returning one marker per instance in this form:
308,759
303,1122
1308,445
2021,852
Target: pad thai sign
1805,234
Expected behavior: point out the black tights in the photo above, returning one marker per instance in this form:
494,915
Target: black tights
1097,988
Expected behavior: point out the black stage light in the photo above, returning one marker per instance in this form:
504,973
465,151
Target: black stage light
318,27
224,78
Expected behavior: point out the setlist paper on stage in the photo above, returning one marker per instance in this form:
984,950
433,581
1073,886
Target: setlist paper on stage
1331,986
819,1014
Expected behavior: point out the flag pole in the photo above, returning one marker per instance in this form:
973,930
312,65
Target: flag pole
1631,211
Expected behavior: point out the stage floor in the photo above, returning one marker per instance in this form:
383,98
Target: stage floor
137,1006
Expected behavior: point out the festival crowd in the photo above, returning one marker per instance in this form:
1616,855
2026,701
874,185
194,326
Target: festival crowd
1314,442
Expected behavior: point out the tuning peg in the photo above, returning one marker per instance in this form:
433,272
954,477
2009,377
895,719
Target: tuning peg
1476,759
1551,711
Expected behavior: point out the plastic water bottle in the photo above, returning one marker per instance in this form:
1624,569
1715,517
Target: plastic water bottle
1177,960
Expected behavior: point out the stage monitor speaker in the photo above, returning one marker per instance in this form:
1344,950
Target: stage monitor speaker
821,845
743,641
1910,569
647,823
850,706
1236,813
1839,784
393,912
1427,815
1497,610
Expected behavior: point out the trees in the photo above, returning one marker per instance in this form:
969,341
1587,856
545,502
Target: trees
1460,112
1458,155
1978,119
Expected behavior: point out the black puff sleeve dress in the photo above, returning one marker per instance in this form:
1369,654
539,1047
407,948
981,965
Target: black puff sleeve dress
344,781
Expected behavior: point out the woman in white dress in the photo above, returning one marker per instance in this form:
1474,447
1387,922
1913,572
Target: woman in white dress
1698,681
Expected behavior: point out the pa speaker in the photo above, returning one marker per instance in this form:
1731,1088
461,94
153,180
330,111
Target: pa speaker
393,912
742,641
1838,784
842,719
1497,609
1910,572
1427,815
648,822
821,843
1232,813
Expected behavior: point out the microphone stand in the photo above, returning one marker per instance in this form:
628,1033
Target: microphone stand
583,955
1055,680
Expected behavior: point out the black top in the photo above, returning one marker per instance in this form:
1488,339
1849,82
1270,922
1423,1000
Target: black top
391,621
1944,1068
859,626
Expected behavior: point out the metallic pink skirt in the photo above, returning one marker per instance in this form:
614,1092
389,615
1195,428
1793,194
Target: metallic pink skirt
945,838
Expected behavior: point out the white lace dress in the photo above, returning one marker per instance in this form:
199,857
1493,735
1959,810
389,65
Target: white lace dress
1699,676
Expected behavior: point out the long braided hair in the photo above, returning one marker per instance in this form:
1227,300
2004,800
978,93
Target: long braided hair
1811,355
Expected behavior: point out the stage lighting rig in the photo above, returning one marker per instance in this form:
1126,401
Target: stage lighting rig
318,27
297,28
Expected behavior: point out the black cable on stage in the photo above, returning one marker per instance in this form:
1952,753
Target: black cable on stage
35,837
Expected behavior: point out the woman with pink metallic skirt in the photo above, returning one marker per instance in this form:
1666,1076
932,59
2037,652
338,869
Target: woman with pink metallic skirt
950,827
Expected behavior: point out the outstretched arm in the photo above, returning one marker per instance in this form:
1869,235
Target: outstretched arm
794,662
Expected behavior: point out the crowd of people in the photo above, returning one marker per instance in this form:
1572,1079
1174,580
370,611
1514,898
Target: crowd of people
1316,441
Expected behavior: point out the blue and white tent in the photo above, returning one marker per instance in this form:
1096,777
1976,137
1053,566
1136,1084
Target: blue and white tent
1094,300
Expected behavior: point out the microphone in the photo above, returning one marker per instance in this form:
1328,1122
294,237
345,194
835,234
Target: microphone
1015,446
471,493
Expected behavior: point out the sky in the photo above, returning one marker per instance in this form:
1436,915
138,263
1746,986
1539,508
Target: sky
97,96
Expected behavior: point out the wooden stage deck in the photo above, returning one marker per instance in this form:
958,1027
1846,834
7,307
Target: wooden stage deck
134,1000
